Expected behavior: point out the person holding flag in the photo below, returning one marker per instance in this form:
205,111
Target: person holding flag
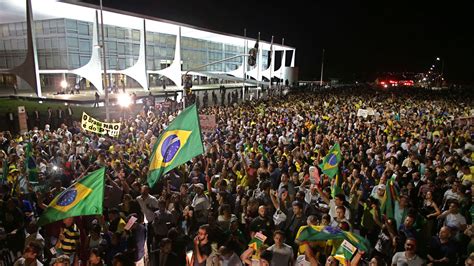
84,197
177,144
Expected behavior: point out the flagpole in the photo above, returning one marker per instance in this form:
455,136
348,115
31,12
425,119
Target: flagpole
244,66
258,64
271,61
282,66
322,70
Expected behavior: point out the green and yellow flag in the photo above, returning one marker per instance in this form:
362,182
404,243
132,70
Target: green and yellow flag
85,197
30,164
313,233
330,163
389,198
179,143
336,188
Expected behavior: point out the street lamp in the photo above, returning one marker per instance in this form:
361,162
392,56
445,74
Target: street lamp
63,84
438,59
124,102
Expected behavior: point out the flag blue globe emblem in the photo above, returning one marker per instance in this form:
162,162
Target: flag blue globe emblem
170,147
332,160
67,198
331,230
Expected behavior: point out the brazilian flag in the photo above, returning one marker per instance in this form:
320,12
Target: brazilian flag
30,164
179,143
330,163
337,186
85,197
345,252
389,198
313,233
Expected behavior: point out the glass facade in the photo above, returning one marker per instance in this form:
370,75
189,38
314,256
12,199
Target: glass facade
67,44
12,44
64,41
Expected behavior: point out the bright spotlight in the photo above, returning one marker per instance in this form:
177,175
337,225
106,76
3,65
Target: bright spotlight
124,100
63,84
437,58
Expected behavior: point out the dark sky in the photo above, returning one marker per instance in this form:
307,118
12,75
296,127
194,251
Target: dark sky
361,38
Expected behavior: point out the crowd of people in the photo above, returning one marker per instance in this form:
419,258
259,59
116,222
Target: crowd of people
254,179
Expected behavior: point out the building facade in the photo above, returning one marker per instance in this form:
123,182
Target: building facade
43,42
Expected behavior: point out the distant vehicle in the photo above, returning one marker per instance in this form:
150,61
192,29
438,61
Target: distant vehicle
409,83
389,81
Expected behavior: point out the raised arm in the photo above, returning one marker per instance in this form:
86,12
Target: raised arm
245,257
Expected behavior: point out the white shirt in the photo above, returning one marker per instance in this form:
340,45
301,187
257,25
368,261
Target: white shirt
148,212
332,210
233,260
455,220
301,261
22,261
449,194
400,259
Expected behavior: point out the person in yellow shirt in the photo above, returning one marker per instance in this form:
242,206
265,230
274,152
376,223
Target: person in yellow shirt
116,223
467,177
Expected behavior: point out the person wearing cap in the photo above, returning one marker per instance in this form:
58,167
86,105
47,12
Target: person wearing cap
236,239
116,223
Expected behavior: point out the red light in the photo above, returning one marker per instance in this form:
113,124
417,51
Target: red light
382,82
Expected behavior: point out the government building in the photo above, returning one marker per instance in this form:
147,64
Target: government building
48,45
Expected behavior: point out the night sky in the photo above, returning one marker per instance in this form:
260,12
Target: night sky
361,38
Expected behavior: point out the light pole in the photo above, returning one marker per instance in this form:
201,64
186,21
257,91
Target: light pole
104,80
440,77
244,66
322,70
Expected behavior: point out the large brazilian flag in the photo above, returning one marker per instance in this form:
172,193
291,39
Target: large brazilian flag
85,197
312,233
179,143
